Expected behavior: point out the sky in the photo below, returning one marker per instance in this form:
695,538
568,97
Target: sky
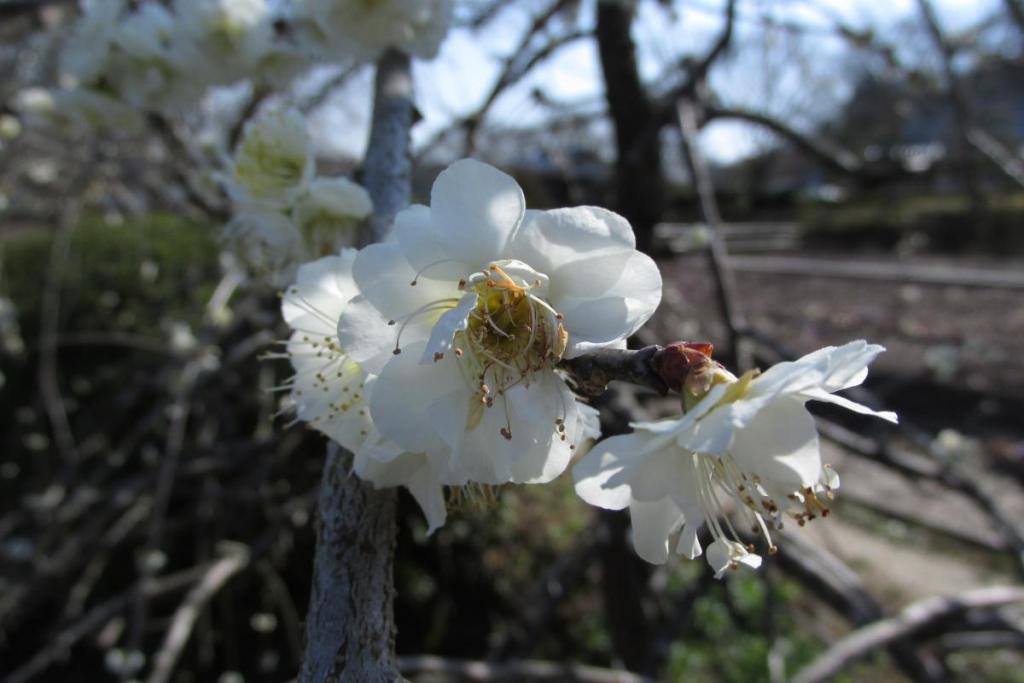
457,80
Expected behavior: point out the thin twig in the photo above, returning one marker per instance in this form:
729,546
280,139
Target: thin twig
717,256
49,324
185,617
911,621
517,670
61,643
178,411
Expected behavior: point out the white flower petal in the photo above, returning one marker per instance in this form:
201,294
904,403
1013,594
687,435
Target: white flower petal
384,464
681,424
689,544
653,524
443,333
415,234
545,455
659,475
401,413
842,401
723,554
321,290
593,473
385,278
605,299
588,425
328,392
550,239
428,492
484,454
366,336
780,447
476,209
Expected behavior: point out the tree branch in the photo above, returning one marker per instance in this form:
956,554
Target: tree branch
1015,8
913,620
701,177
517,670
639,182
516,65
188,612
591,372
350,629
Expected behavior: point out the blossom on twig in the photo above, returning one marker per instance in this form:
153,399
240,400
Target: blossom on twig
748,439
464,314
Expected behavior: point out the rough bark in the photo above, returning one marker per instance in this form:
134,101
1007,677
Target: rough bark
638,176
350,630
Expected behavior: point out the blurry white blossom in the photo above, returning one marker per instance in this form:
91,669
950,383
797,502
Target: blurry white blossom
226,39
362,29
266,242
274,163
749,440
329,213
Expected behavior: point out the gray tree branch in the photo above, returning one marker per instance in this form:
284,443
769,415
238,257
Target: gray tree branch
516,670
913,620
350,629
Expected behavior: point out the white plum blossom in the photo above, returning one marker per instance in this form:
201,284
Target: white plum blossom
282,214
274,164
749,440
85,55
329,391
465,313
329,213
226,38
147,62
266,242
363,29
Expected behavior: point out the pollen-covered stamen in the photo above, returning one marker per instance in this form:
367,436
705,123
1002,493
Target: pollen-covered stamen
750,493
323,369
510,333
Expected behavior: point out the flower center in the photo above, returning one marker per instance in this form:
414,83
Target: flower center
508,333
511,328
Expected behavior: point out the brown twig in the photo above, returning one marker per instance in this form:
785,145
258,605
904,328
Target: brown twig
591,372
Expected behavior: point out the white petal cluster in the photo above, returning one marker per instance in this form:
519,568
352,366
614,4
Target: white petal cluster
159,56
362,29
329,391
463,315
748,440
274,162
283,214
